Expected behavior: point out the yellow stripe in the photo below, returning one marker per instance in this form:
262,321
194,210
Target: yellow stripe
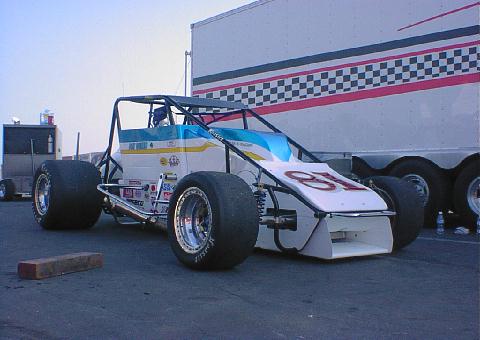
200,148
253,156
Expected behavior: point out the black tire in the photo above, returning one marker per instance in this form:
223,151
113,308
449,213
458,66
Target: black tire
74,201
7,190
464,187
438,186
403,198
361,169
234,229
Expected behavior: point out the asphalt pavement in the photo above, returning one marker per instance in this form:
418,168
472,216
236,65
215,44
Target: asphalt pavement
430,290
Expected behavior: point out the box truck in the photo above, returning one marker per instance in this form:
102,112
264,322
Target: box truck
396,83
25,147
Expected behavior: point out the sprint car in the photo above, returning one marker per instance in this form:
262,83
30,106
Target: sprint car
223,180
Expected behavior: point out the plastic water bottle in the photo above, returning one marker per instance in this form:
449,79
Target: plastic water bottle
440,224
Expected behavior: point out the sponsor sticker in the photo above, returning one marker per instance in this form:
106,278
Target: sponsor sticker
167,195
128,193
134,182
169,180
138,146
136,202
138,193
173,160
163,209
242,144
168,187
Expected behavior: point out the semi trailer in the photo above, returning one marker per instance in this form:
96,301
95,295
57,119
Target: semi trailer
396,83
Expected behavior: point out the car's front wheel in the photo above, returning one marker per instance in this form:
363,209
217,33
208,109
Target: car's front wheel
212,220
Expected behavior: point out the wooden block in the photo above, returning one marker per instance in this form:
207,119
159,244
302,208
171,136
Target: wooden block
58,265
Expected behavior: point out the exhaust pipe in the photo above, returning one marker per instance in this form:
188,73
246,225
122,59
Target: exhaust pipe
157,222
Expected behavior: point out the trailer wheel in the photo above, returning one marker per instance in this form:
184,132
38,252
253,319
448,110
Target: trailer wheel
466,194
65,195
212,220
7,190
403,198
361,168
431,183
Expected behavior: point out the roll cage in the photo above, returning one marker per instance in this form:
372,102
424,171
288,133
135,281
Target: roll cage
195,112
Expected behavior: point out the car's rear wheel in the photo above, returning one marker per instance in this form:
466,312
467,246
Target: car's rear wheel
7,190
402,198
212,220
65,195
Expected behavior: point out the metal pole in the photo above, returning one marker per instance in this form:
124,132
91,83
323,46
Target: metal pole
78,146
187,54
31,154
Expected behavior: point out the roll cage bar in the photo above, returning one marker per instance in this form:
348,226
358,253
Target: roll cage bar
186,106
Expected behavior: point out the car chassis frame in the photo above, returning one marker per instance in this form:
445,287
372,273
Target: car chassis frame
187,106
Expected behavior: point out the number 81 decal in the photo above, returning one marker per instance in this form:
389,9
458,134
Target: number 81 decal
323,181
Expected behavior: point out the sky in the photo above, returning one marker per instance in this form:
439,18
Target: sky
76,57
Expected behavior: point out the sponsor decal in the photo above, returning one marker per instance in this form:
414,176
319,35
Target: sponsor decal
173,160
136,202
323,181
168,187
153,187
167,195
169,180
138,193
134,182
216,135
163,161
242,144
163,209
152,199
128,193
138,146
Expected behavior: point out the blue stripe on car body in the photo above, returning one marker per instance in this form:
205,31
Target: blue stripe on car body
276,143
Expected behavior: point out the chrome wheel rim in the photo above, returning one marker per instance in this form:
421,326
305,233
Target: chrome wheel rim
3,191
193,220
473,195
420,185
42,194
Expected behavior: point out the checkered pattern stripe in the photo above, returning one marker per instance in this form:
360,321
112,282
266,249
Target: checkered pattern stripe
429,66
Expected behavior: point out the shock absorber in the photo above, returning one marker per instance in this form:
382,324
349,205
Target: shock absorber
261,196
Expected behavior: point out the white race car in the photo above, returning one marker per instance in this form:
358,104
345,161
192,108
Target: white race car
222,191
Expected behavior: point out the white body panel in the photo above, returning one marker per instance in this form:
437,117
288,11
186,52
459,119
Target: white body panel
431,113
321,191
146,153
